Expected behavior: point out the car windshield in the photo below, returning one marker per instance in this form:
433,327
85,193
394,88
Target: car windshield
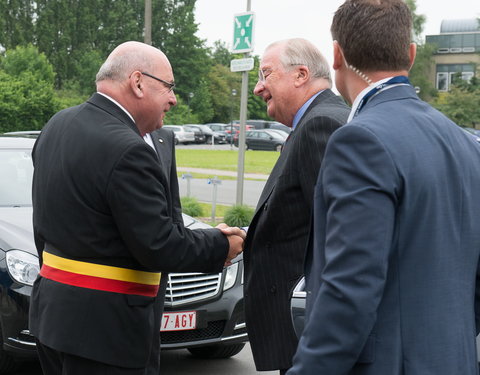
16,171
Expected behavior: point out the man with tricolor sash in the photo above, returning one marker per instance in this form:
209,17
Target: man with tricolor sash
106,224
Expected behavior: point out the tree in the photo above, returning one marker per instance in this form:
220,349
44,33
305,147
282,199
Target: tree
20,60
26,89
201,103
221,54
419,72
16,23
460,104
174,30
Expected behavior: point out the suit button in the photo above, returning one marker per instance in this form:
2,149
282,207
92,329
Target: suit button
273,289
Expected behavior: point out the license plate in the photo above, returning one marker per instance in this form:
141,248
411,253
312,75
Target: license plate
179,321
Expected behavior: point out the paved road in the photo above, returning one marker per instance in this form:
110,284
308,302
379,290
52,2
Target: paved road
180,362
226,191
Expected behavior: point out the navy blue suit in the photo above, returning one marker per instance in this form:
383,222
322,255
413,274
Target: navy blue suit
392,274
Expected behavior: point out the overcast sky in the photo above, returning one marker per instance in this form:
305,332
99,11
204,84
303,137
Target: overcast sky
309,19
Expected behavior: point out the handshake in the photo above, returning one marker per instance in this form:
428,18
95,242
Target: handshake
236,238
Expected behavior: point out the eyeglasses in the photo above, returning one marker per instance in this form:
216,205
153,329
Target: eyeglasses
169,85
263,74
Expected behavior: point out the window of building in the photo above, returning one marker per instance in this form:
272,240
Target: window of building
446,74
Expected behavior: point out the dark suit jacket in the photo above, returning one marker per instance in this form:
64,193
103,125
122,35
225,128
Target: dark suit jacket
392,277
99,196
164,143
278,233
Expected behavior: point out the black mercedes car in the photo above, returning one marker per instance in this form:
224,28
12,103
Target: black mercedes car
203,312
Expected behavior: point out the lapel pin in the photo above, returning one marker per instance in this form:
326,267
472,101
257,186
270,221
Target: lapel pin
160,140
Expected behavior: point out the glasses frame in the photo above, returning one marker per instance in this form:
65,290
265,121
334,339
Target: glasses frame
170,85
261,74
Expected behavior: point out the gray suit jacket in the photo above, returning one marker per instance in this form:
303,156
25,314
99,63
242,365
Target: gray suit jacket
393,275
278,233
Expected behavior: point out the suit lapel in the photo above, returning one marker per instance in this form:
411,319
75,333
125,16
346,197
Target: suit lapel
164,152
278,168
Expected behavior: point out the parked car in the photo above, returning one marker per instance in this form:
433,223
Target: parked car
200,136
181,135
213,301
266,124
25,133
226,128
219,137
265,139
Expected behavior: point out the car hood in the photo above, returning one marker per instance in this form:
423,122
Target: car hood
16,229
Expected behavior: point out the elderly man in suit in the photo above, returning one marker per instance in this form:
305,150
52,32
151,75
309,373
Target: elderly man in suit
392,278
294,81
107,226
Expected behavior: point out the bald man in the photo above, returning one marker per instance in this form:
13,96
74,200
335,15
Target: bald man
106,225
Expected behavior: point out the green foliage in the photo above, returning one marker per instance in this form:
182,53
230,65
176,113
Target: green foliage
173,31
461,103
418,21
26,90
238,216
420,72
26,103
180,114
191,206
221,82
27,59
67,98
16,22
201,103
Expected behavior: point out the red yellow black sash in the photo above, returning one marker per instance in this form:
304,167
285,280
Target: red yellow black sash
99,277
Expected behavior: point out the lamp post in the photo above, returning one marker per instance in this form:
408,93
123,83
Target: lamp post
234,93
190,96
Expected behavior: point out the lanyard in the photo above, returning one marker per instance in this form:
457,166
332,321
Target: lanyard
395,81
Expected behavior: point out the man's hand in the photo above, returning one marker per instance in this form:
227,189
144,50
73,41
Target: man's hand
236,237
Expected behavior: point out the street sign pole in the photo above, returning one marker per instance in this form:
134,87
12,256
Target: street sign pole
243,109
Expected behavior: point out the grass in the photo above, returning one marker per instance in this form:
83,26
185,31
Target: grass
255,161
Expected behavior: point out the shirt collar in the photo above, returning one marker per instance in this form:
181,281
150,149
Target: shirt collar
117,103
360,96
302,110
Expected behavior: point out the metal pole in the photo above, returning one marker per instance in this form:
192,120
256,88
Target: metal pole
148,22
241,136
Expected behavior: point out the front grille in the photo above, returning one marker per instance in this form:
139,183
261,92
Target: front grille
189,287
213,330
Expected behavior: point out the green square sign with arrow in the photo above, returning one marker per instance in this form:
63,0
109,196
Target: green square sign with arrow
243,32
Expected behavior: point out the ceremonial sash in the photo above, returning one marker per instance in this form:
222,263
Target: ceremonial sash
99,277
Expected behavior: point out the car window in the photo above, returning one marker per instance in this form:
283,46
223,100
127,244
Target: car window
16,169
264,135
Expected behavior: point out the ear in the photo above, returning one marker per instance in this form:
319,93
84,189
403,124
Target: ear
338,59
136,84
302,74
412,53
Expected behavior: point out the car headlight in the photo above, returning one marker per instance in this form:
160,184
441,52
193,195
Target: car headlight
230,276
22,266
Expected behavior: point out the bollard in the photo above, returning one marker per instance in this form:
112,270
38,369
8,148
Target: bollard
188,177
214,181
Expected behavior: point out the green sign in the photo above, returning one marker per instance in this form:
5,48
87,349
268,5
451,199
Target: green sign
243,32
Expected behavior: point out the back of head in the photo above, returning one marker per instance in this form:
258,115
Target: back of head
298,51
374,35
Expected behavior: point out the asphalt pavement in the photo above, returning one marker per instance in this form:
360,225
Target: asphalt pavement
180,362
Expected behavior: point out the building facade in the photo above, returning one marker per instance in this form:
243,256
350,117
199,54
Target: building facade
457,51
